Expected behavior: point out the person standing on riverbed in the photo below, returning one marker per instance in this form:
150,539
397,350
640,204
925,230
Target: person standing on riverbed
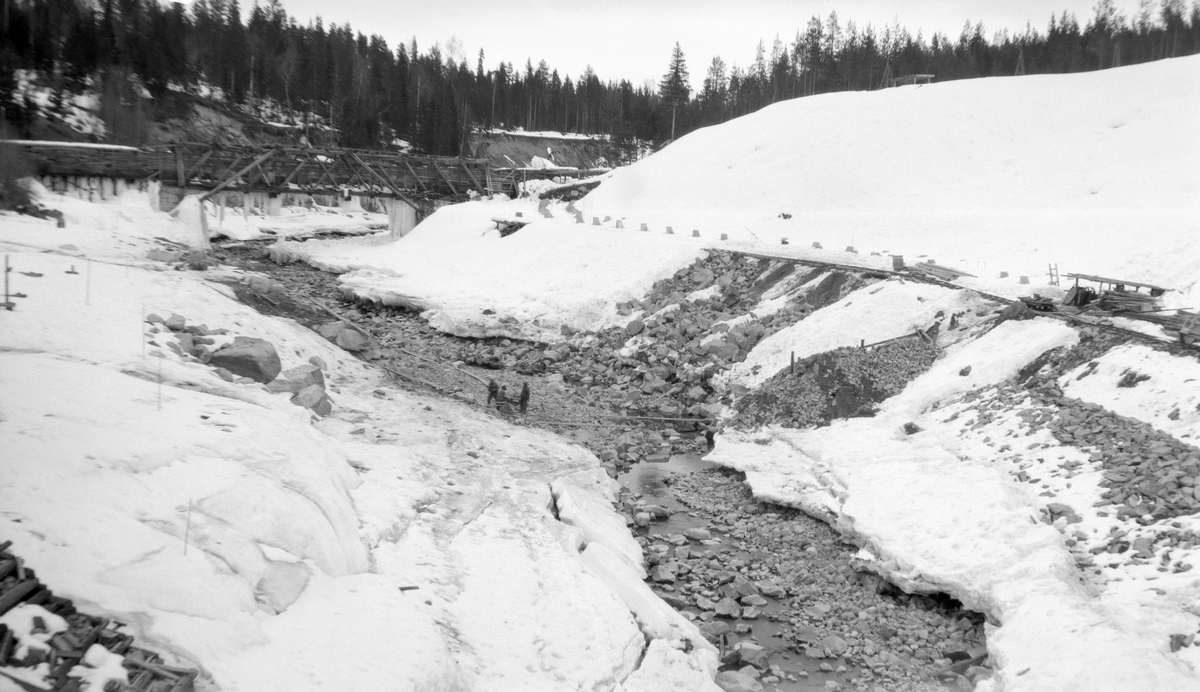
524,400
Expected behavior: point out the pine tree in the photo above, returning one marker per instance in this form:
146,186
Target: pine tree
674,87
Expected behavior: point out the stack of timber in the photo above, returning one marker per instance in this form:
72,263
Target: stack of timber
67,648
1127,301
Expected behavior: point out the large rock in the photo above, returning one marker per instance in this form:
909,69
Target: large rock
733,681
313,398
727,607
249,357
353,340
305,376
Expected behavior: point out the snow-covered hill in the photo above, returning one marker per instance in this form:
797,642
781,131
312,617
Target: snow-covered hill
1098,172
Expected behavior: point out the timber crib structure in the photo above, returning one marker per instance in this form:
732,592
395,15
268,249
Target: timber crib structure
208,169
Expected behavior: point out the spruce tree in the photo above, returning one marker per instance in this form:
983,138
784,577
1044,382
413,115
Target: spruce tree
674,87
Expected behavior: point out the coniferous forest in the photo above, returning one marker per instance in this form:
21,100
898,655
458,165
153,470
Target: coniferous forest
144,58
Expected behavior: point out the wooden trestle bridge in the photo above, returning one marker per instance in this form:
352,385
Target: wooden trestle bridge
210,169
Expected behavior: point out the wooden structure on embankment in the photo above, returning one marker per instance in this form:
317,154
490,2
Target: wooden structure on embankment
209,169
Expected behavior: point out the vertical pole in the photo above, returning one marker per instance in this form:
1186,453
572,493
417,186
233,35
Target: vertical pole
792,371
7,269
187,529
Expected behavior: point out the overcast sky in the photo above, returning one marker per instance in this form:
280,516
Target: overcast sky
632,39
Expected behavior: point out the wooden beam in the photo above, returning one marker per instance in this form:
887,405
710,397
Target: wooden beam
234,164
179,175
228,181
354,172
196,166
424,187
395,190
326,172
463,164
442,173
292,175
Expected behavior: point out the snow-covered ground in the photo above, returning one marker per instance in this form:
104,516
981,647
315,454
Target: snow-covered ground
940,512
1093,172
231,529
471,282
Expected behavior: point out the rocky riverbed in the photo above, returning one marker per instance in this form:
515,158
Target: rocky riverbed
776,589
781,593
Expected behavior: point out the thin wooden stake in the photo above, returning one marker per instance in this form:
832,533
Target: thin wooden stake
187,530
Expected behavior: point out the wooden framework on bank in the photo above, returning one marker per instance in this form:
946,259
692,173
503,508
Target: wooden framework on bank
273,170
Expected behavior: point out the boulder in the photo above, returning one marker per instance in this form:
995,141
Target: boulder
697,534
714,630
280,386
176,323
305,375
735,681
313,398
662,575
753,654
352,340
727,607
635,327
770,589
331,330
835,644
249,357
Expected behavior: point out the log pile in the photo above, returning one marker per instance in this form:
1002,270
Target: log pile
66,649
1127,301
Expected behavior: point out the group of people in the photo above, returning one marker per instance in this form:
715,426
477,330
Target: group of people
498,395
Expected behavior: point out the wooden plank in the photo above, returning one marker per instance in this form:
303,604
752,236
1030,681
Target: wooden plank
196,166
292,175
228,181
396,191
180,178
442,173
462,164
424,187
